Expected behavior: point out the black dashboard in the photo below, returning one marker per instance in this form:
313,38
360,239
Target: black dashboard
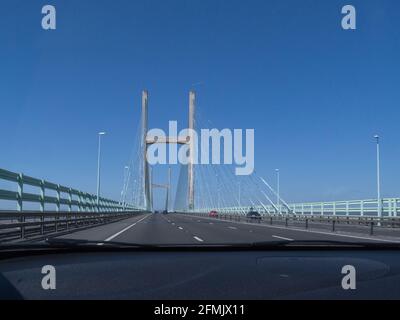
170,275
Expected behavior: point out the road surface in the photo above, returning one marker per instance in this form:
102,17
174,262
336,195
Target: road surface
186,229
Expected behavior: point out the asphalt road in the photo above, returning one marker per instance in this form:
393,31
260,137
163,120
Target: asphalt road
186,229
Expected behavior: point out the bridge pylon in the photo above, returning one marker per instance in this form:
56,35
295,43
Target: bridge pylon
145,164
147,140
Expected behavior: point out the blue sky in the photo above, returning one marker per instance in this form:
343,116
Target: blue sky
314,93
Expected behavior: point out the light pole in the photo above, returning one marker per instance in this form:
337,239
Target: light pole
98,166
277,191
123,193
240,196
378,177
218,191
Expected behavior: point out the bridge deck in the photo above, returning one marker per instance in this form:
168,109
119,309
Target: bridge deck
185,229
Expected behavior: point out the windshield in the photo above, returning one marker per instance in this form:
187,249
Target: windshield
171,123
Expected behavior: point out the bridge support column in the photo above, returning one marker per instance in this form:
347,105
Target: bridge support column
189,140
192,98
146,173
168,189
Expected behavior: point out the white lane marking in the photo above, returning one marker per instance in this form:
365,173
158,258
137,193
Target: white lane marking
173,223
198,239
313,231
283,238
180,228
211,223
198,220
125,229
233,228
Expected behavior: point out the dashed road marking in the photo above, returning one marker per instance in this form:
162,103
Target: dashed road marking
283,238
198,239
180,228
233,228
315,232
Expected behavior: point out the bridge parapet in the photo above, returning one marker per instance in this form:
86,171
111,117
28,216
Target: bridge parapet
72,199
360,208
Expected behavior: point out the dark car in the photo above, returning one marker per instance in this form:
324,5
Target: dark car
165,212
253,215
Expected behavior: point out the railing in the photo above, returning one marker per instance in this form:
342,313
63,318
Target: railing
359,208
65,196
25,225
383,226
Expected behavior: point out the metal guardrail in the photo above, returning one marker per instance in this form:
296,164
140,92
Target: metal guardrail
25,225
358,208
305,221
83,201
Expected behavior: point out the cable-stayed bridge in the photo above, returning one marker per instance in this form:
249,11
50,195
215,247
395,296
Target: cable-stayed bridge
200,189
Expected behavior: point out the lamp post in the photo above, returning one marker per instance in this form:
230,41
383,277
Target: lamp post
240,194
277,191
123,193
100,134
378,177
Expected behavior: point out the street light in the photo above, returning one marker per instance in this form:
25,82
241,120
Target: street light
378,176
124,188
277,191
240,194
98,166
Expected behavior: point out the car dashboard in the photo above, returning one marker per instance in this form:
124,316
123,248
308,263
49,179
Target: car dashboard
209,275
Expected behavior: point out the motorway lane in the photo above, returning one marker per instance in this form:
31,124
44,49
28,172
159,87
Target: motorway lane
104,232
186,229
213,230
142,229
155,229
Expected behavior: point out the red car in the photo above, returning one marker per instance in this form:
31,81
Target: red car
213,214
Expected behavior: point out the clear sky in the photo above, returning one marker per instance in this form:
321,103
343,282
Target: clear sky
314,93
